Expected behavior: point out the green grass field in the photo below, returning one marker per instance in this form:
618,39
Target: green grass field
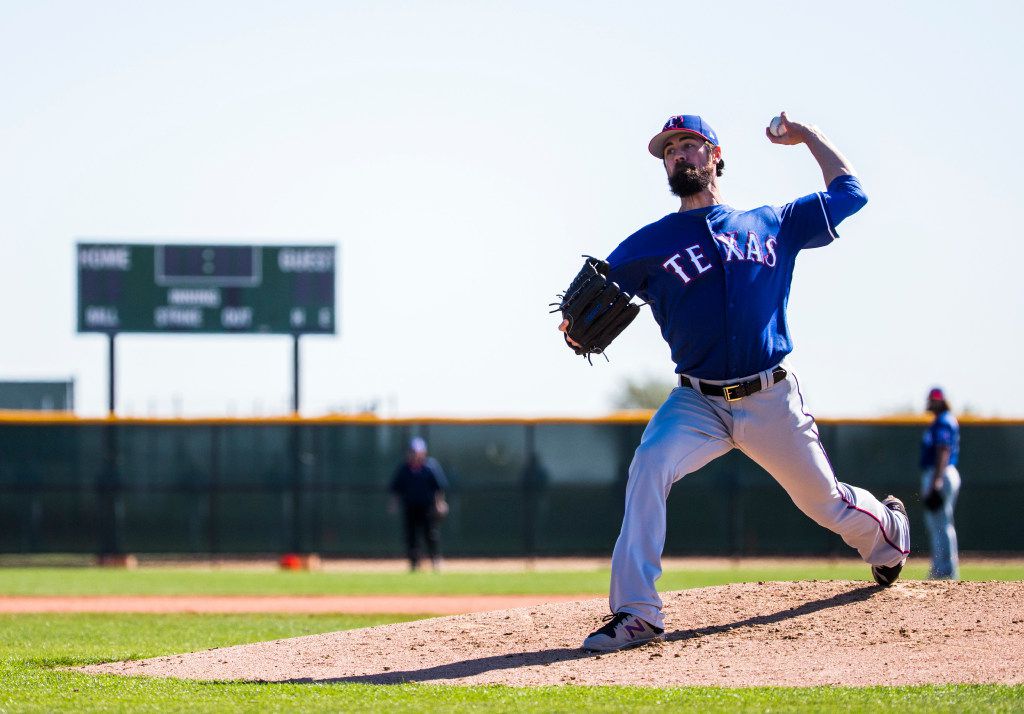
186,581
35,648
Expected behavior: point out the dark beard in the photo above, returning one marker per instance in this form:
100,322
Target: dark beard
688,180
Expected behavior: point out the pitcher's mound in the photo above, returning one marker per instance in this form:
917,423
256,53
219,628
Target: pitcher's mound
788,634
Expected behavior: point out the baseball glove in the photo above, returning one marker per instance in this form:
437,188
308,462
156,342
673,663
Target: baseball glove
596,308
932,500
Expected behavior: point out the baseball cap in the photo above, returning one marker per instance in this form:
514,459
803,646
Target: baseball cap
936,394
418,445
682,123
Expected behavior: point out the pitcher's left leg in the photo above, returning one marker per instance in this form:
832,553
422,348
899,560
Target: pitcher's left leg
775,430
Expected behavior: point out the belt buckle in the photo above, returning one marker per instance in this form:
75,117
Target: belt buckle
728,395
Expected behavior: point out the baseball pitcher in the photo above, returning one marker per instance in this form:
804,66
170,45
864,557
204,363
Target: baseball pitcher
717,281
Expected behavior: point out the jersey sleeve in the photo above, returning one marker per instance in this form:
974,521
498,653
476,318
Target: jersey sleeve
629,274
943,434
811,221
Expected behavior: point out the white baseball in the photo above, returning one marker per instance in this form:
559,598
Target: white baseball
776,127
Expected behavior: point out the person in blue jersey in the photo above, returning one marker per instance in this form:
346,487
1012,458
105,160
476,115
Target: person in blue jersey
419,484
940,485
717,281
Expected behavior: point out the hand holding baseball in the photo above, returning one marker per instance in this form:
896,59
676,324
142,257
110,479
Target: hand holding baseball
783,131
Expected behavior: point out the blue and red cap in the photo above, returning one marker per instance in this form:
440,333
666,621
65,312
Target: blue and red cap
936,395
682,124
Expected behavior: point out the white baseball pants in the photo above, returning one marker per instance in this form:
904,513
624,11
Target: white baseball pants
773,428
945,554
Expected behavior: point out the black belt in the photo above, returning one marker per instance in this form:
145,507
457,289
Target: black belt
732,392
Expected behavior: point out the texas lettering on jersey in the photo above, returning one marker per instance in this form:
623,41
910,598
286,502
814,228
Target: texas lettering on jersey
755,250
717,278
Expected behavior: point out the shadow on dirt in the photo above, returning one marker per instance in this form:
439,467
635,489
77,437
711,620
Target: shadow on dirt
471,667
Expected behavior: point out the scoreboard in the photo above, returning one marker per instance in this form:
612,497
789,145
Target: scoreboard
134,287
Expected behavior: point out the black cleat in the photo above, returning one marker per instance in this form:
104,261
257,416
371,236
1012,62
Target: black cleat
886,575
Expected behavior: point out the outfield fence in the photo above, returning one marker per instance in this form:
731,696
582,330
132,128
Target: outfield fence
518,487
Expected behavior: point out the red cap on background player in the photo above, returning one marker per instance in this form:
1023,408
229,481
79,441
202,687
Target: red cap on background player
681,124
936,395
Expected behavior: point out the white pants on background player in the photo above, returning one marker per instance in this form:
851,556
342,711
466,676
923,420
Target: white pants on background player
773,428
945,556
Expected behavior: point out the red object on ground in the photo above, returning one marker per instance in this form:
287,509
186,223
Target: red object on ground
300,561
290,561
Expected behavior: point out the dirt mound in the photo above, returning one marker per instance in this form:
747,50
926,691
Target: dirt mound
788,634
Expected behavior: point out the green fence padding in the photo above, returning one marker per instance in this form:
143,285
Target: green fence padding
517,488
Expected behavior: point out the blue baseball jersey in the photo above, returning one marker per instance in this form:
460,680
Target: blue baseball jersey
717,278
944,431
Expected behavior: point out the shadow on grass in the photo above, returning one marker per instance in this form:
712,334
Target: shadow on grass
471,667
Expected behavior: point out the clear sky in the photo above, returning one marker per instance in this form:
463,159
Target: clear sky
463,155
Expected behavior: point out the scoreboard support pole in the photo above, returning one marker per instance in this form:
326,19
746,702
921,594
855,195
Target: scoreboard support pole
111,373
293,504
110,498
295,373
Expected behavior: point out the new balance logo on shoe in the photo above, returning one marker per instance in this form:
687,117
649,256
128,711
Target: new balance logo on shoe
639,629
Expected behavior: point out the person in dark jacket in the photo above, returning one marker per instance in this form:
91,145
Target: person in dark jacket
419,485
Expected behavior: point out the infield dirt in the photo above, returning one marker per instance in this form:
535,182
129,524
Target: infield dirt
782,634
